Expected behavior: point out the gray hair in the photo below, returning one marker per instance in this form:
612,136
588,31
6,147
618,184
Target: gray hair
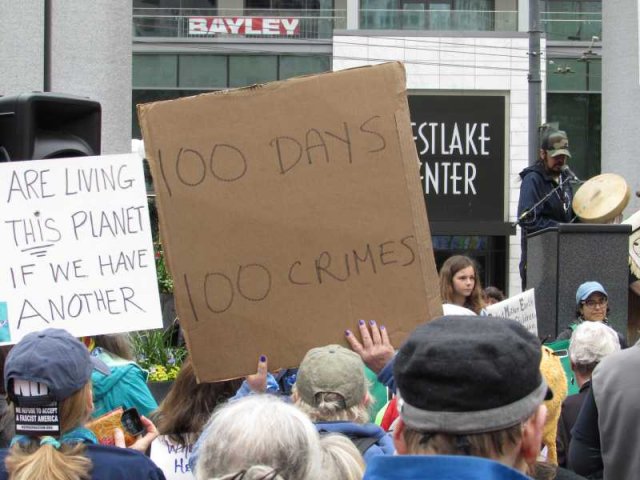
260,430
591,342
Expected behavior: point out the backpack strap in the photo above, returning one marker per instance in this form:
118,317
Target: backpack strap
362,443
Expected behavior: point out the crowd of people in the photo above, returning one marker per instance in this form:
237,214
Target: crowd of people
467,396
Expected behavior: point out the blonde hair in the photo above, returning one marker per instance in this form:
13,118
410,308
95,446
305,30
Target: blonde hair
340,458
330,408
27,461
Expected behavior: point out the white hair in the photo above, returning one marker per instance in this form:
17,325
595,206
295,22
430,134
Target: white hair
341,458
260,430
591,342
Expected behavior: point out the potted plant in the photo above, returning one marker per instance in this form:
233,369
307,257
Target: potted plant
165,287
157,353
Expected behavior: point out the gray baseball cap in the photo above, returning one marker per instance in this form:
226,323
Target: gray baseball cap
332,369
52,357
556,143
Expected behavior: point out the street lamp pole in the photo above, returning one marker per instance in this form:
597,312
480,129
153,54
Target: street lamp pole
535,81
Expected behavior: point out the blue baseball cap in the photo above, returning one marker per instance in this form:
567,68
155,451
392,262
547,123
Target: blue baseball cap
52,357
587,288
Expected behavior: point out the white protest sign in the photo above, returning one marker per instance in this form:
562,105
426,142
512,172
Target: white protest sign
171,458
521,308
77,251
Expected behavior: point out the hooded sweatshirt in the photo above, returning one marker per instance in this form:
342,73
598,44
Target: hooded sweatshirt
125,386
536,183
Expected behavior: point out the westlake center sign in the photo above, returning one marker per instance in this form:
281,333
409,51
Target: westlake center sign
461,145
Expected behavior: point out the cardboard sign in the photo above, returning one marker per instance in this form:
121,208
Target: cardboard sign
521,308
76,247
289,211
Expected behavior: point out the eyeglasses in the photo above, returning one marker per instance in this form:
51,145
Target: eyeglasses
596,303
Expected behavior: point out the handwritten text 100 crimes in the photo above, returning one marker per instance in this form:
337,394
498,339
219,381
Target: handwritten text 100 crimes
223,288
43,231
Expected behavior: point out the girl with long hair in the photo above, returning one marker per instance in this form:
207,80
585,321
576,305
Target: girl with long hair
460,284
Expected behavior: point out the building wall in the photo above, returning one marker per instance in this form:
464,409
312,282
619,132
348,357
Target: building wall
493,62
21,46
621,93
90,56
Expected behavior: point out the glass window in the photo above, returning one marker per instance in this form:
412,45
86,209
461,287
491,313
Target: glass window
574,75
566,74
579,115
594,75
379,14
294,65
474,15
432,15
251,69
571,19
203,71
147,96
156,70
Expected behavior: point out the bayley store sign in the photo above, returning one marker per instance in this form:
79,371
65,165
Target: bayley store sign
244,26
460,142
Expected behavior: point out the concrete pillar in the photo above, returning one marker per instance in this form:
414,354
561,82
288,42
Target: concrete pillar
91,56
353,12
621,93
21,46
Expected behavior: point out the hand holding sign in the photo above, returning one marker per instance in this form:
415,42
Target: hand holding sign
376,349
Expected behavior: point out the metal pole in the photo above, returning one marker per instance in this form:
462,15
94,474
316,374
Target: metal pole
535,82
46,81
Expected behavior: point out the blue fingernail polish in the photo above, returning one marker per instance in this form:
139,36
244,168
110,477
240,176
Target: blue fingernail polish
347,332
372,322
361,322
381,327
263,358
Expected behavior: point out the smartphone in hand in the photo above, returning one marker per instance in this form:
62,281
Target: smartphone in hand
127,420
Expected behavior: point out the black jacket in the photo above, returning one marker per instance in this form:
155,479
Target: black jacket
536,183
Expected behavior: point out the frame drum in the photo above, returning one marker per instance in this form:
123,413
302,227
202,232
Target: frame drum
601,199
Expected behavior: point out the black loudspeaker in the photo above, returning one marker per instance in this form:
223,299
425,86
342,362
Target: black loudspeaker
36,126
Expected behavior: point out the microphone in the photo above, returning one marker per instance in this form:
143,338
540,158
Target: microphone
572,176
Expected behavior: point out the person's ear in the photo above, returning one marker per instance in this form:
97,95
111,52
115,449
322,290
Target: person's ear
398,437
366,400
532,435
542,154
90,405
